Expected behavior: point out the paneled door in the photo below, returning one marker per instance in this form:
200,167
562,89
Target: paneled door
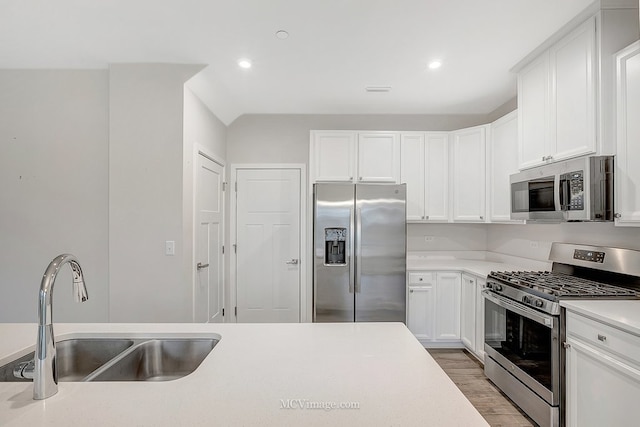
208,301
268,245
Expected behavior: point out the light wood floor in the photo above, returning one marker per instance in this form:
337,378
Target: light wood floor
468,374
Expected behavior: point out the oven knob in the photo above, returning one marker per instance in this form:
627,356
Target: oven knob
489,285
498,288
539,303
526,300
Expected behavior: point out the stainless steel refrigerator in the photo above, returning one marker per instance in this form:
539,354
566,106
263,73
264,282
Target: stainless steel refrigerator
359,245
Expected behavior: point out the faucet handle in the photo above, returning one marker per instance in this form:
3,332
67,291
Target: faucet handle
79,288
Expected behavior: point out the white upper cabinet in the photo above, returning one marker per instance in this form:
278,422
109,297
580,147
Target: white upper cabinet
378,157
355,156
566,87
468,174
572,63
502,161
533,112
333,155
424,168
557,100
437,176
627,163
413,173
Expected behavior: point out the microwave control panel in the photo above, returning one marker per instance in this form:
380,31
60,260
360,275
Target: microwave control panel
576,191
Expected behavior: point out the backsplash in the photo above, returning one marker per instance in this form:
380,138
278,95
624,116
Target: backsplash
532,241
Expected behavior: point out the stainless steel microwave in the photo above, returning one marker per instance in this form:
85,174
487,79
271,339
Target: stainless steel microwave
574,190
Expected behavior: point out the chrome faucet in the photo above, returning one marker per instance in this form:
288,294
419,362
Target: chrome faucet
45,371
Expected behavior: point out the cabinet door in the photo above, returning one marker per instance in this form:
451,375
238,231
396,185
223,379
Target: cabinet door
502,155
333,156
378,157
469,174
468,312
601,389
413,173
627,197
573,103
420,311
436,177
533,112
448,306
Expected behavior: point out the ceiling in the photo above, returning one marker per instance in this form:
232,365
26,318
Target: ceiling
335,48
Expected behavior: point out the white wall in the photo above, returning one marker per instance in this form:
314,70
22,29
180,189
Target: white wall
146,194
54,192
202,130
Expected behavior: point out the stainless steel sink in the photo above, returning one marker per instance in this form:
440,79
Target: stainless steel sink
157,360
76,358
123,359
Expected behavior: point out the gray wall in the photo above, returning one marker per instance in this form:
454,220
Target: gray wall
54,192
145,193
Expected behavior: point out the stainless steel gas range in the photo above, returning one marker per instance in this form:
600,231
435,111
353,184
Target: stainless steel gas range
525,325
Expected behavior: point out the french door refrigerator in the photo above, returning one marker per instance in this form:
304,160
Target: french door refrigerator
359,252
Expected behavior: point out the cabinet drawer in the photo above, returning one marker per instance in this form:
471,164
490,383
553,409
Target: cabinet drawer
422,278
608,338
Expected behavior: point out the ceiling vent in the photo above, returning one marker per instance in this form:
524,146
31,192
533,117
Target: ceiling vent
378,88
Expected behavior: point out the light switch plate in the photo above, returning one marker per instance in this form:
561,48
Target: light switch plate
170,247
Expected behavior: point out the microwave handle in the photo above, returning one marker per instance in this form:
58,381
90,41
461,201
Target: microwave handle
563,190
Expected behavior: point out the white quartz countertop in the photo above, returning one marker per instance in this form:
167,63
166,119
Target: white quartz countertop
621,314
249,376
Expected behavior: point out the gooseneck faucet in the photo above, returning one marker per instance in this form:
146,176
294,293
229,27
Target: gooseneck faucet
45,376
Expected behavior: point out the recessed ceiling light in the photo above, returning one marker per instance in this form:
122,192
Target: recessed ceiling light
378,88
244,63
282,34
435,65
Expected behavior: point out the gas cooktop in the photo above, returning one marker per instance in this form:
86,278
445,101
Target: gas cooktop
557,285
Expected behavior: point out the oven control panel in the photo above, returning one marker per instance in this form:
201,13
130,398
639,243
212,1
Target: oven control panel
591,256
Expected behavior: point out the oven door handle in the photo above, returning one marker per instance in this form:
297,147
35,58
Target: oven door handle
520,309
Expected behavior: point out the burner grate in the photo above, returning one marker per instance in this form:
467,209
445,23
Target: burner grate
561,285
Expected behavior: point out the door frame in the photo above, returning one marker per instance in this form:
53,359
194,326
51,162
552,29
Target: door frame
304,295
199,150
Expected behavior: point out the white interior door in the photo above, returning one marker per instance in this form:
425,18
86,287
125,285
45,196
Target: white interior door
209,286
268,245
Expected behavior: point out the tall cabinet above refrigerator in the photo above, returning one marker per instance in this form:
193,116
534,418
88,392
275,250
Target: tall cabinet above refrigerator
359,253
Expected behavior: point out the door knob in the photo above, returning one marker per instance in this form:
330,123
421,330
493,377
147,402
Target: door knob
293,261
200,266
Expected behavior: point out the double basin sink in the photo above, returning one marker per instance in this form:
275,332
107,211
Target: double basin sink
123,359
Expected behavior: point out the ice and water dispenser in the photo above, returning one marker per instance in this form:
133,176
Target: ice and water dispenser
335,240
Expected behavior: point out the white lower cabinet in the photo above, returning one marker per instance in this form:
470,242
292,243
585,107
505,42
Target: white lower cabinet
433,307
602,374
472,314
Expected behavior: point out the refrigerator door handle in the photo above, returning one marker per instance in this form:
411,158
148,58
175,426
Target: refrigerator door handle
358,251
351,258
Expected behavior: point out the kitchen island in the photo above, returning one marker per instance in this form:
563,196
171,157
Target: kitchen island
364,374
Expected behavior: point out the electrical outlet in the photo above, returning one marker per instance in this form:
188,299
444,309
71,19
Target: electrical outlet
533,244
170,247
429,238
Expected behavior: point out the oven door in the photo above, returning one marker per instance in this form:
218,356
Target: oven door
524,342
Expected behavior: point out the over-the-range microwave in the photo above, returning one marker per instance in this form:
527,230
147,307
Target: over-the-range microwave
574,190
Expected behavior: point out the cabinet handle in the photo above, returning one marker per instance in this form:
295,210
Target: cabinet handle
200,266
543,159
411,290
420,279
426,217
602,338
293,261
617,215
566,345
481,217
359,178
